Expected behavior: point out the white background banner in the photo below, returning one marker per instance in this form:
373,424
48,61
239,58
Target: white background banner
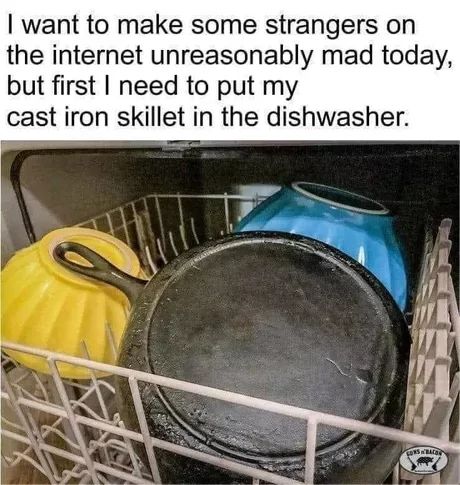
203,70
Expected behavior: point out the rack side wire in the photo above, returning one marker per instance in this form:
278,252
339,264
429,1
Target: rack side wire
69,431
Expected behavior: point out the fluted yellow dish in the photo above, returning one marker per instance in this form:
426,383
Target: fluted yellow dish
47,306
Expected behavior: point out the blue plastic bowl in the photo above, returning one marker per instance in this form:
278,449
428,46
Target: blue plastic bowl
356,225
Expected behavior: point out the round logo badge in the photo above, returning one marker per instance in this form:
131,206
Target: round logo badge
423,460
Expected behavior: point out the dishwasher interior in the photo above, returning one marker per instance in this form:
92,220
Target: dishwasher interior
162,201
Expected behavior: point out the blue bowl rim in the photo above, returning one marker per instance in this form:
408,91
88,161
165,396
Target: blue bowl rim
299,187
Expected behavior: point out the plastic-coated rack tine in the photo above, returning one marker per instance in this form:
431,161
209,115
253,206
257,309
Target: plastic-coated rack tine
73,422
134,386
310,450
132,454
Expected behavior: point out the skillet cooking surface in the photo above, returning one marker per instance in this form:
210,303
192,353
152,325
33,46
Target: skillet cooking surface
290,321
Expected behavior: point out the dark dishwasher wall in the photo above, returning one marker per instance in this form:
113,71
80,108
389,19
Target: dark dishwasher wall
65,187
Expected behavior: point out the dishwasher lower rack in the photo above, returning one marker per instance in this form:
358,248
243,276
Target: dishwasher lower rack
62,431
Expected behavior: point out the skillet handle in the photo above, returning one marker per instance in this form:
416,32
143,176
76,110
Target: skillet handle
101,269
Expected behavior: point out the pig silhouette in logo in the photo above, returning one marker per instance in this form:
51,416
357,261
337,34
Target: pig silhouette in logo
424,460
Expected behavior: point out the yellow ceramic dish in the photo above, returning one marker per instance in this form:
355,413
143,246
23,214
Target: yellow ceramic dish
46,306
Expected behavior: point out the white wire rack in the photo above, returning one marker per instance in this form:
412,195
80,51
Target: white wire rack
70,432
161,226
434,377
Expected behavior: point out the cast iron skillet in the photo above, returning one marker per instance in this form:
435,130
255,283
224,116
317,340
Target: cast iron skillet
271,315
